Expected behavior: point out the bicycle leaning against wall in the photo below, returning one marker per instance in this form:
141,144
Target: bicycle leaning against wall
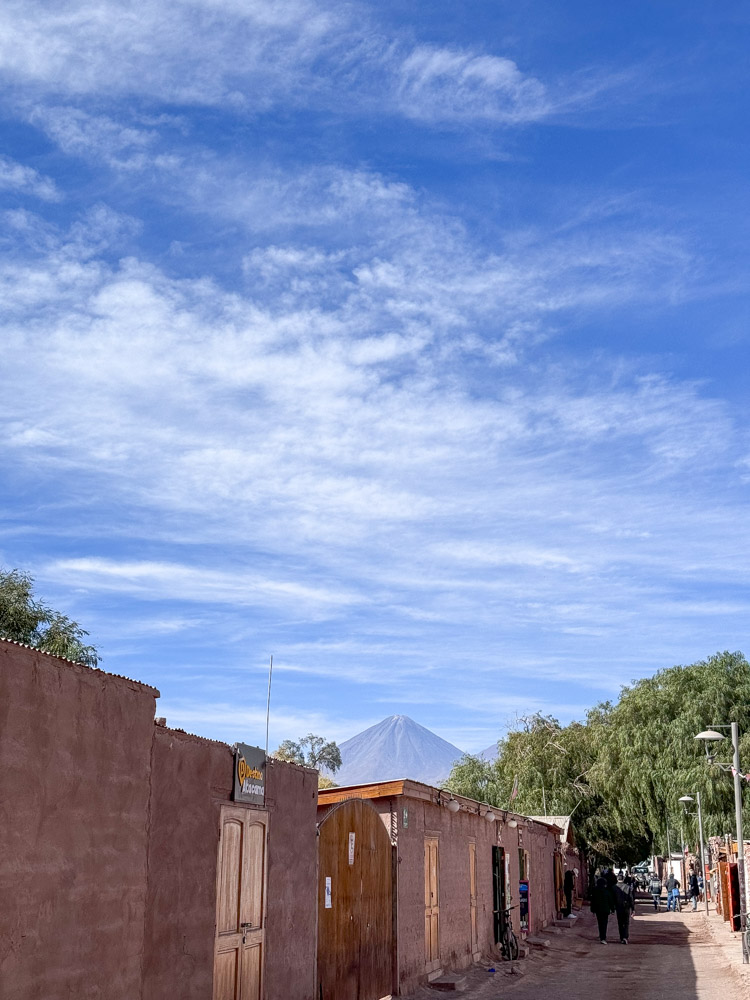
508,941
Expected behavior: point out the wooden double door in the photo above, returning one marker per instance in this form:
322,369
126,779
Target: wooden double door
240,905
355,904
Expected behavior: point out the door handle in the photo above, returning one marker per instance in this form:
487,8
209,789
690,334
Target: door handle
245,928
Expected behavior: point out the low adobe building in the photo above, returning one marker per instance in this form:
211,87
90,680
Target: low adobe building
128,869
414,882
570,858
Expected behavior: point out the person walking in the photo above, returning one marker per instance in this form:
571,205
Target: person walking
568,886
673,893
602,904
624,906
654,887
694,889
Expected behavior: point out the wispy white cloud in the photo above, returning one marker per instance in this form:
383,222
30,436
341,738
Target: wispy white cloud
25,180
444,85
283,396
252,58
203,52
170,581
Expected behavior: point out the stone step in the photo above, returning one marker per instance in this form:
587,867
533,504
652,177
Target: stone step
551,929
537,941
451,982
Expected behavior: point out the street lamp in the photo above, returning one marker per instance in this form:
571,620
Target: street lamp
689,798
709,736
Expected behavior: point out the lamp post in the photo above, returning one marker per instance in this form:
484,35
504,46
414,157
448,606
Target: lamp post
689,798
708,736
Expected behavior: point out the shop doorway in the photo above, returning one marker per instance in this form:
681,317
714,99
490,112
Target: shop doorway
239,949
473,901
355,904
499,892
431,905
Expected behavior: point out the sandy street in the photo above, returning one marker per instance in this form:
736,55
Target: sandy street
669,955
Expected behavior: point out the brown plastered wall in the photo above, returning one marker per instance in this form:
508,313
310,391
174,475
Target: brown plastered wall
75,747
573,860
292,913
454,832
190,778
541,843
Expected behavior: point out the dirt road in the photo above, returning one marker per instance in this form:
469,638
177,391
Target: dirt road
670,955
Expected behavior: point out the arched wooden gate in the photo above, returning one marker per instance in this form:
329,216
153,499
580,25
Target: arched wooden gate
355,911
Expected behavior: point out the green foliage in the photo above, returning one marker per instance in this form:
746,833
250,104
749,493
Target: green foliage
312,751
623,770
476,779
648,756
28,620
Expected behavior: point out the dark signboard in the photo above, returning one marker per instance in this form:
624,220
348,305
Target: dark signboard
249,775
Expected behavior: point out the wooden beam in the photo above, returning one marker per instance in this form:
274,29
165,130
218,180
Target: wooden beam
378,790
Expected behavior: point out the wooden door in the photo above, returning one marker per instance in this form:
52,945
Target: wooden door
473,898
355,904
431,905
240,905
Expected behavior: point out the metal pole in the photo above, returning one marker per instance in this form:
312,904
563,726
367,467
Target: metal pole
268,702
740,841
704,873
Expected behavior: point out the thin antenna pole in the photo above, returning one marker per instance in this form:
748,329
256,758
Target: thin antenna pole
268,703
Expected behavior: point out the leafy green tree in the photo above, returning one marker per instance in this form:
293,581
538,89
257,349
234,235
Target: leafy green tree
648,756
476,779
24,618
312,751
622,772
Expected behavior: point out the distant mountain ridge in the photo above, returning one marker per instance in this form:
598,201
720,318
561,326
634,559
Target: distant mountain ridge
397,747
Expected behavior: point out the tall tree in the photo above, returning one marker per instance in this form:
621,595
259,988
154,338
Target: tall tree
624,770
648,757
25,618
312,751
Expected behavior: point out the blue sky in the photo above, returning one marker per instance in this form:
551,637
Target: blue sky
406,345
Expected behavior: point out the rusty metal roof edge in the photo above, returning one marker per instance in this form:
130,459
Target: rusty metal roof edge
412,785
84,666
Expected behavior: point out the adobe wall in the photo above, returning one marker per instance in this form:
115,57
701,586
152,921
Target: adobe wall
292,914
109,832
75,746
574,860
541,843
455,831
191,779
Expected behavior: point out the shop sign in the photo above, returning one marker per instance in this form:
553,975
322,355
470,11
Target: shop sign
249,775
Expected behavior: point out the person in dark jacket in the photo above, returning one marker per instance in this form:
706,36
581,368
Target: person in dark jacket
602,904
624,906
654,887
694,889
568,886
